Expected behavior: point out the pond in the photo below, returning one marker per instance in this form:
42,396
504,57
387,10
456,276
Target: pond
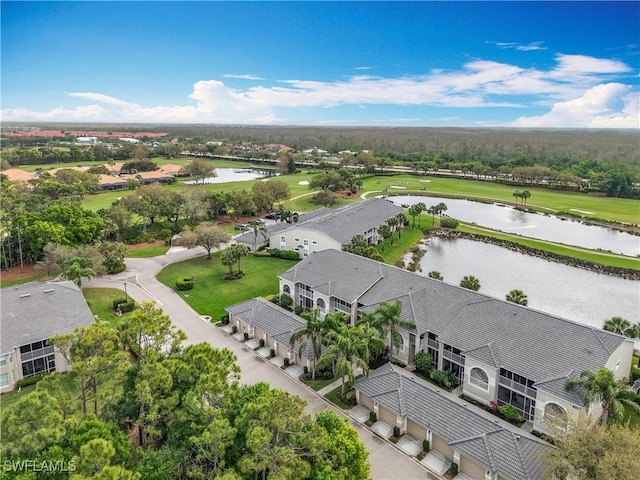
224,175
539,226
569,292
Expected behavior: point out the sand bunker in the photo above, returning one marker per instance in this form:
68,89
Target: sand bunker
303,182
394,186
425,181
581,211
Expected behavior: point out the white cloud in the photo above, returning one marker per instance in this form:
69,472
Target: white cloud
611,105
362,68
523,48
574,88
244,77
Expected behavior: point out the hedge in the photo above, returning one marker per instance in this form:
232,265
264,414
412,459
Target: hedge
290,255
127,306
449,223
183,284
24,382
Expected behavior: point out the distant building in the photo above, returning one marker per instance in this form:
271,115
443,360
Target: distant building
87,140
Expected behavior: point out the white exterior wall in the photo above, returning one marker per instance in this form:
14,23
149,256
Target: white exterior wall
476,392
620,360
322,241
542,399
11,371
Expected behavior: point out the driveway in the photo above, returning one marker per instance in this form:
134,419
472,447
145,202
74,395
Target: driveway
387,461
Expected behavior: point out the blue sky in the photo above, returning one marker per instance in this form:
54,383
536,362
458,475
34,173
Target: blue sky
509,64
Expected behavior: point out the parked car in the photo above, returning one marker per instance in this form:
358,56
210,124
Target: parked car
271,216
241,226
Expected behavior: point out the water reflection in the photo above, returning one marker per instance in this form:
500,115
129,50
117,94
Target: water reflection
568,292
543,227
224,175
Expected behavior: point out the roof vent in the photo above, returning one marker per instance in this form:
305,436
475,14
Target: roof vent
48,290
517,437
495,421
25,295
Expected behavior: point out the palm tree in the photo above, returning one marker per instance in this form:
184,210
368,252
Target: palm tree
239,251
77,268
258,228
524,195
385,232
433,209
402,220
603,387
348,350
388,321
421,208
393,225
442,207
470,282
314,333
435,274
517,296
617,325
517,194
414,211
227,257
282,214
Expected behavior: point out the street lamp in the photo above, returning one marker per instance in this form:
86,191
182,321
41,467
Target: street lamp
125,292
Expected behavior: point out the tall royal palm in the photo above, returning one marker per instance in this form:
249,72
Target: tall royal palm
387,320
604,388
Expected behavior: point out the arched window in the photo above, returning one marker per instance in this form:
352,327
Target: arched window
286,289
555,415
400,343
479,378
321,305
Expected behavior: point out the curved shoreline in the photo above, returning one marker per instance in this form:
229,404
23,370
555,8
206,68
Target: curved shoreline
626,273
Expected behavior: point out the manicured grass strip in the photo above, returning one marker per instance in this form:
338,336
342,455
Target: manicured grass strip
212,293
582,254
35,278
319,384
100,301
410,236
332,396
148,252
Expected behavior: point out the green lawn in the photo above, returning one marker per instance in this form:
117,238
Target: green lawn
147,252
212,293
34,278
410,236
319,384
332,396
100,301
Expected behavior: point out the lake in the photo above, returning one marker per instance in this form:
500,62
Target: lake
573,293
539,226
225,175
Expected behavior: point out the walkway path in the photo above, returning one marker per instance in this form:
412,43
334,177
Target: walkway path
387,461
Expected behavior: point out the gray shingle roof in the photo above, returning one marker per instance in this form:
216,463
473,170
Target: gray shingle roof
36,312
344,223
248,236
513,453
528,342
556,386
277,322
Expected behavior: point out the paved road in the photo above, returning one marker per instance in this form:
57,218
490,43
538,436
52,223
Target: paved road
387,462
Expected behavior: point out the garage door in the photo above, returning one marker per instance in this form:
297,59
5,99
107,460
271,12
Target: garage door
471,469
387,416
441,446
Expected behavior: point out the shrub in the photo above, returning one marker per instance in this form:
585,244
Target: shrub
510,413
246,336
183,284
350,396
127,306
271,298
286,362
373,417
441,378
234,329
297,309
425,445
290,255
423,362
454,469
286,301
24,382
275,252
261,342
272,353
118,302
224,318
262,253
305,370
396,431
449,223
328,374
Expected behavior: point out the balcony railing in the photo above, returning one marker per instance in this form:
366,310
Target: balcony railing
449,355
433,344
41,352
518,387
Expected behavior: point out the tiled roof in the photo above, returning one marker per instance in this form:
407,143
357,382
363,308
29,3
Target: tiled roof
556,387
36,312
513,453
274,228
528,342
342,224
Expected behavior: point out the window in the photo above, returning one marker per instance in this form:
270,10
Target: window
4,379
321,304
400,343
296,239
283,239
555,415
3,360
305,243
479,378
314,242
286,289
